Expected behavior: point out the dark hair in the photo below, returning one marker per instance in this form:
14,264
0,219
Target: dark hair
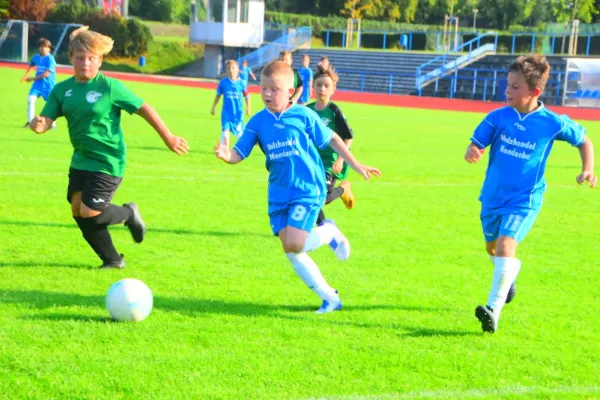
535,69
44,42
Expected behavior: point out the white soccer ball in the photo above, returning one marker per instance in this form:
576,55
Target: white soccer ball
129,300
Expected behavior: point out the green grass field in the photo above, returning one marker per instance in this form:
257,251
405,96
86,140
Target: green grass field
232,321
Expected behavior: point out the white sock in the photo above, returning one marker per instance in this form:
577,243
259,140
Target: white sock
492,259
505,273
310,274
31,107
319,236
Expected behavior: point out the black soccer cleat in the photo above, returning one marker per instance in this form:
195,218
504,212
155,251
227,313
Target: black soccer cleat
489,321
119,264
26,125
512,292
135,223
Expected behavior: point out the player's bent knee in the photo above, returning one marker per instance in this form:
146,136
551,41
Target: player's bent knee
506,247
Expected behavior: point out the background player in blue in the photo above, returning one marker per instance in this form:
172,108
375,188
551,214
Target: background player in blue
520,137
246,73
45,76
232,114
306,75
289,136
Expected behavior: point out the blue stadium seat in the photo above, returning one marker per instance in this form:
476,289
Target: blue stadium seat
596,94
577,94
587,94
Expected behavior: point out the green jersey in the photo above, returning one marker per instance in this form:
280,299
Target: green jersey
297,81
93,113
334,119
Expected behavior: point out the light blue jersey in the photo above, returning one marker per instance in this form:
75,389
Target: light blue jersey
306,75
512,193
44,86
297,187
232,114
245,74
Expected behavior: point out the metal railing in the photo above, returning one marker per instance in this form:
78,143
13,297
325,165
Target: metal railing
445,63
291,41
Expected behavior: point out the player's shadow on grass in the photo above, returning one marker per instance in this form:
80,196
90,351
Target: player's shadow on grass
197,307
150,229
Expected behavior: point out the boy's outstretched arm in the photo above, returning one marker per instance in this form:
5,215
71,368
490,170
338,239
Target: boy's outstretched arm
24,78
174,143
586,151
338,145
224,153
473,154
214,106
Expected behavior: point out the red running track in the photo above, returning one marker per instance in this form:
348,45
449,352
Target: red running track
429,103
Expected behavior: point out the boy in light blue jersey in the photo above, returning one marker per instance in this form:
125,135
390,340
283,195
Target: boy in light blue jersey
45,76
289,136
246,73
520,137
306,75
232,115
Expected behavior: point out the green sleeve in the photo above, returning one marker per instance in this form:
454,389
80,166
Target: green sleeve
52,108
124,98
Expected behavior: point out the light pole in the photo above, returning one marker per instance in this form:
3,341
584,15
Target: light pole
475,11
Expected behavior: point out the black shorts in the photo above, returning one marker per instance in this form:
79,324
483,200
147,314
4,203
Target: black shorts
330,180
97,189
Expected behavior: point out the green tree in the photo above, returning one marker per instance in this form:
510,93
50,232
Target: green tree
4,4
567,10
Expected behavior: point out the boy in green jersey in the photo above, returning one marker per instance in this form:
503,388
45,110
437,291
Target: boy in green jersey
286,57
324,85
92,104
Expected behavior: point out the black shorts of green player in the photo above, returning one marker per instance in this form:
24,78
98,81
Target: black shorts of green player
333,118
93,112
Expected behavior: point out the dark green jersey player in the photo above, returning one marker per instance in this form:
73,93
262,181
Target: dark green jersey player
324,84
92,105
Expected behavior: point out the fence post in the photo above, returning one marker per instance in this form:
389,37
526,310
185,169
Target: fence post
496,42
437,81
553,41
384,40
494,85
362,81
327,38
484,89
474,84
533,43
391,82
558,96
410,41
24,41
512,51
344,39
587,47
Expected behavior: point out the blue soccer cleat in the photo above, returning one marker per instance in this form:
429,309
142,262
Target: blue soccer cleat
330,305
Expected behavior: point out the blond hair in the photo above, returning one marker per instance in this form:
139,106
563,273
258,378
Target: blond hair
83,39
535,68
279,69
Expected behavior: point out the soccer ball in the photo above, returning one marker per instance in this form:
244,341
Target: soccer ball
129,300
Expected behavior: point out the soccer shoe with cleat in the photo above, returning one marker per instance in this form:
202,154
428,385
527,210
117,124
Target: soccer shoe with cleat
120,264
489,321
512,292
347,197
330,305
135,224
339,244
26,125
